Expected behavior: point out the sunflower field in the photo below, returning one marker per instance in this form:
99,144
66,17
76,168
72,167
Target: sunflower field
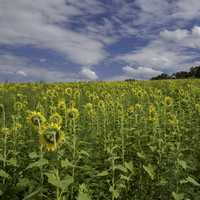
137,140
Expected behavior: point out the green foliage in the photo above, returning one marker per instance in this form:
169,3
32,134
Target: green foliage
92,141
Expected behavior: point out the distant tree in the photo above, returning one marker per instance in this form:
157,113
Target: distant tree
182,75
195,72
129,80
161,77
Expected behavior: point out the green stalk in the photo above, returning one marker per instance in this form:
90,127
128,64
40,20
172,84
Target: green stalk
74,151
4,141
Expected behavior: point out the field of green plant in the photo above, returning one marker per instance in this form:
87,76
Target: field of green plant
137,140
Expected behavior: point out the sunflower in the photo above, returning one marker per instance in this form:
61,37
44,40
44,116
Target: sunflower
36,119
68,91
61,105
72,113
18,106
168,101
51,136
131,111
152,113
56,119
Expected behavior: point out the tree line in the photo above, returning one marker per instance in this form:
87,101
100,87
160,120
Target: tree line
193,73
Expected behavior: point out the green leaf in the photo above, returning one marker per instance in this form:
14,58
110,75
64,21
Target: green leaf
129,166
124,177
38,163
103,173
182,163
12,162
1,157
177,196
83,193
55,181
85,153
23,182
162,181
3,174
116,194
141,155
66,163
33,155
66,182
29,196
150,170
191,180
114,191
121,168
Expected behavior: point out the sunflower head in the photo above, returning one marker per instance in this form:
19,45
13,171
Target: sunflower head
36,119
76,94
168,101
51,136
61,105
131,110
18,106
72,113
68,91
55,119
101,104
152,113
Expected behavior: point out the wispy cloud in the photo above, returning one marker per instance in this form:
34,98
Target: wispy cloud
14,68
37,23
150,36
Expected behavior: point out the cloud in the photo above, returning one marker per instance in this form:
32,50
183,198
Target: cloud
183,37
39,24
196,31
22,73
186,10
88,74
140,72
19,69
176,35
168,53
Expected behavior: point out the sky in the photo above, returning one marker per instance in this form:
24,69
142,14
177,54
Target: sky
89,40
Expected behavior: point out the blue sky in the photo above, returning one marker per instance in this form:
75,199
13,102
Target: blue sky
73,40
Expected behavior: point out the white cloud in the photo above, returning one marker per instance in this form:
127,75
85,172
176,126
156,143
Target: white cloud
88,74
183,37
168,53
14,68
140,72
186,10
196,31
22,73
176,35
38,23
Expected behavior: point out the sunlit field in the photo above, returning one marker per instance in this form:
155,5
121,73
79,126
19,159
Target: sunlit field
137,140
